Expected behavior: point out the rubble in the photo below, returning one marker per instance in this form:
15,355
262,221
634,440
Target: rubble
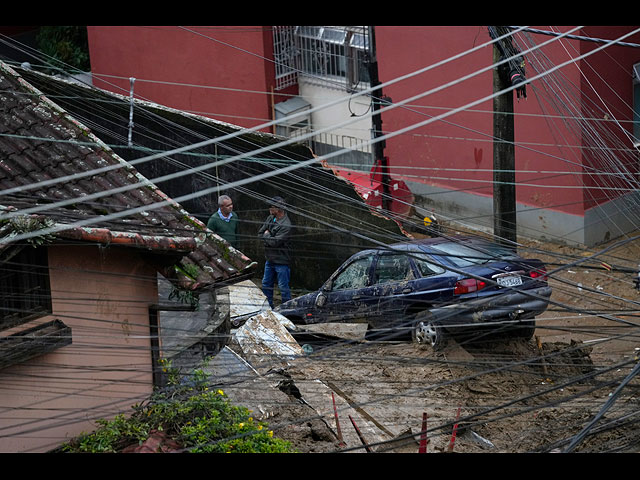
346,394
245,301
265,341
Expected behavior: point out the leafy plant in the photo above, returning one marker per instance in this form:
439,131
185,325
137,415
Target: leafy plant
25,224
198,419
67,45
191,272
184,296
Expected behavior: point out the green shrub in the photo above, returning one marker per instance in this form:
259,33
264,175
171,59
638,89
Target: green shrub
67,46
200,420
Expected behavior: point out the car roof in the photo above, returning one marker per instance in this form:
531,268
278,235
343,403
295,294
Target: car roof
424,242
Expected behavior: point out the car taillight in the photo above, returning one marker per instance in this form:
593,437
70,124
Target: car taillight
468,285
539,273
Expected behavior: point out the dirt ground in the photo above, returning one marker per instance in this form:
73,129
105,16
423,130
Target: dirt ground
497,396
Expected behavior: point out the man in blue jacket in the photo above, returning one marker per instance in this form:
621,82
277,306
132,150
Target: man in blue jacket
276,237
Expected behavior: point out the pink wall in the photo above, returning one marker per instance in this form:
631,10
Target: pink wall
103,295
608,86
458,151
199,57
547,152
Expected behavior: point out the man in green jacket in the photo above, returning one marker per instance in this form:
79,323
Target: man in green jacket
225,221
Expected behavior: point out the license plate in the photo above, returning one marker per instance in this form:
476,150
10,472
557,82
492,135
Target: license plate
509,281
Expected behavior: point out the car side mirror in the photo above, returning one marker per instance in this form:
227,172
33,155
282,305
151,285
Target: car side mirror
321,299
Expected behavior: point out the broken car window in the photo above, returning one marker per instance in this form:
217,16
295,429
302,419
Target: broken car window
425,266
393,268
354,276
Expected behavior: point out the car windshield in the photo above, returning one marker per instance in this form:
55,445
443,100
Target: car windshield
466,255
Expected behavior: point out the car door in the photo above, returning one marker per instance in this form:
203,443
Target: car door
392,285
348,293
434,284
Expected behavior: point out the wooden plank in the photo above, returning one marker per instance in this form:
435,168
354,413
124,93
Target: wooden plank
33,342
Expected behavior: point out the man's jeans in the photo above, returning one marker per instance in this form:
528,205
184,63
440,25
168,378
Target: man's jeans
282,273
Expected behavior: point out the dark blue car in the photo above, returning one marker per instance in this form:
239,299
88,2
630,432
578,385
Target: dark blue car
431,288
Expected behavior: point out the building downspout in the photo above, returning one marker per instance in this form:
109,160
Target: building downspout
376,101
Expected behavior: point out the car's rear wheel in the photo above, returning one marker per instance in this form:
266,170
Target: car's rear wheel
427,331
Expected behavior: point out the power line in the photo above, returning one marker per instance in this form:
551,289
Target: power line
262,150
574,37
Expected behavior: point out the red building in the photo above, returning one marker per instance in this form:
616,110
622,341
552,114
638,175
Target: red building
576,159
220,72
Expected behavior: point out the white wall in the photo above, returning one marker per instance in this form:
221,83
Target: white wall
339,113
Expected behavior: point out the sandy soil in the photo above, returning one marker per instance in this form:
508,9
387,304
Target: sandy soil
498,396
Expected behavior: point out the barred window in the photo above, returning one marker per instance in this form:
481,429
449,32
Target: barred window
25,293
285,52
330,56
334,56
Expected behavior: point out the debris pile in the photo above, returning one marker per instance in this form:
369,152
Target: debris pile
330,390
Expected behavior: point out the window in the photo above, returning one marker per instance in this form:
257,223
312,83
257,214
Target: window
333,56
636,104
284,53
474,253
298,125
25,295
460,255
24,286
356,275
426,267
393,268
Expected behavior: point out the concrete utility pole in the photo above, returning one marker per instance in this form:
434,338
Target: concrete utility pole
504,177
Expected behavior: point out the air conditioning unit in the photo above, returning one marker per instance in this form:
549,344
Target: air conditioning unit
291,126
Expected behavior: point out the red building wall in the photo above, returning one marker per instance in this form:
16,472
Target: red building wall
226,67
547,144
607,85
456,152
233,65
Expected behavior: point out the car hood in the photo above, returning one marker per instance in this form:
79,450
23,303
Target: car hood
302,301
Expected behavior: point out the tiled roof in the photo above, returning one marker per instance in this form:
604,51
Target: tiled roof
55,173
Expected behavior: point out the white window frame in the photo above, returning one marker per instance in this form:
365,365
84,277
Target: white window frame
285,56
333,56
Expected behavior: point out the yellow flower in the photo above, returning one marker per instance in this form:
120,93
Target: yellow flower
259,427
240,425
220,392
270,433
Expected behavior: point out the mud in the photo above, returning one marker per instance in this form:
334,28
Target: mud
507,396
